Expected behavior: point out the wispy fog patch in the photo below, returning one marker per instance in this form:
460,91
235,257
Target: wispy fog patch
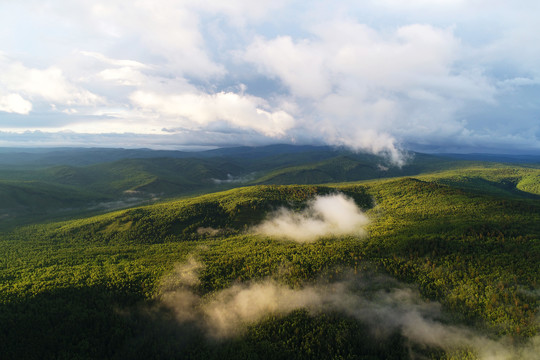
240,305
382,303
324,216
208,231
183,275
119,204
233,179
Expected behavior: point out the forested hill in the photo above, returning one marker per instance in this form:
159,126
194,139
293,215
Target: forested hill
446,266
44,157
55,183
499,158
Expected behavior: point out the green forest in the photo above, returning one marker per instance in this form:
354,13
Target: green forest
447,267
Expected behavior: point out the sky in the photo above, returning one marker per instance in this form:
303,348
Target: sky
379,76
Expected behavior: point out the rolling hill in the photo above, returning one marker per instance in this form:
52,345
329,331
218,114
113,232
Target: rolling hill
84,180
447,268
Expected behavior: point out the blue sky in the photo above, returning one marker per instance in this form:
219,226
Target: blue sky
378,76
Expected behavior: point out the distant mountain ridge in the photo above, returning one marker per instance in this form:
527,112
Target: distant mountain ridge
87,156
77,156
42,181
501,158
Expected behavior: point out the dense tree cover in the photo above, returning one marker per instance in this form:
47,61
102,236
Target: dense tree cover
481,258
301,335
469,239
39,185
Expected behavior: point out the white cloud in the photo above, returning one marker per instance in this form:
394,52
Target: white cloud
168,30
15,103
202,109
47,84
382,304
369,89
123,72
369,75
241,12
415,4
332,215
412,58
116,62
298,65
126,76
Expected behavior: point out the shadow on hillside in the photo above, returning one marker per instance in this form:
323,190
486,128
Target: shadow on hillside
96,323
89,323
477,185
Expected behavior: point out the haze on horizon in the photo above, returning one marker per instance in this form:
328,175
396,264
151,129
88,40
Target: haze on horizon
379,76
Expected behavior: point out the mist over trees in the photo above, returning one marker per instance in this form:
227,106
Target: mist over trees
443,265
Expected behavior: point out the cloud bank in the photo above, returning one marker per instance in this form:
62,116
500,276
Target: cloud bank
330,215
15,103
375,76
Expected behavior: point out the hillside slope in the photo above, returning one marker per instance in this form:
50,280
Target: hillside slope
122,183
464,239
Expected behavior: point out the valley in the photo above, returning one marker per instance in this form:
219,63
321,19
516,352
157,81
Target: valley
446,264
58,183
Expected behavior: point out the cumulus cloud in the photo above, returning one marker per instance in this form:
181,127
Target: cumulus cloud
411,55
298,65
15,103
433,74
47,84
111,61
238,110
170,31
331,215
124,76
367,89
119,72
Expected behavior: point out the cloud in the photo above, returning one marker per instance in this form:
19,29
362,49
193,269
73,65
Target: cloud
115,62
125,203
177,140
233,179
126,76
47,84
242,12
367,89
343,50
120,71
170,31
331,215
298,65
382,303
238,305
15,103
415,4
202,109
372,76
